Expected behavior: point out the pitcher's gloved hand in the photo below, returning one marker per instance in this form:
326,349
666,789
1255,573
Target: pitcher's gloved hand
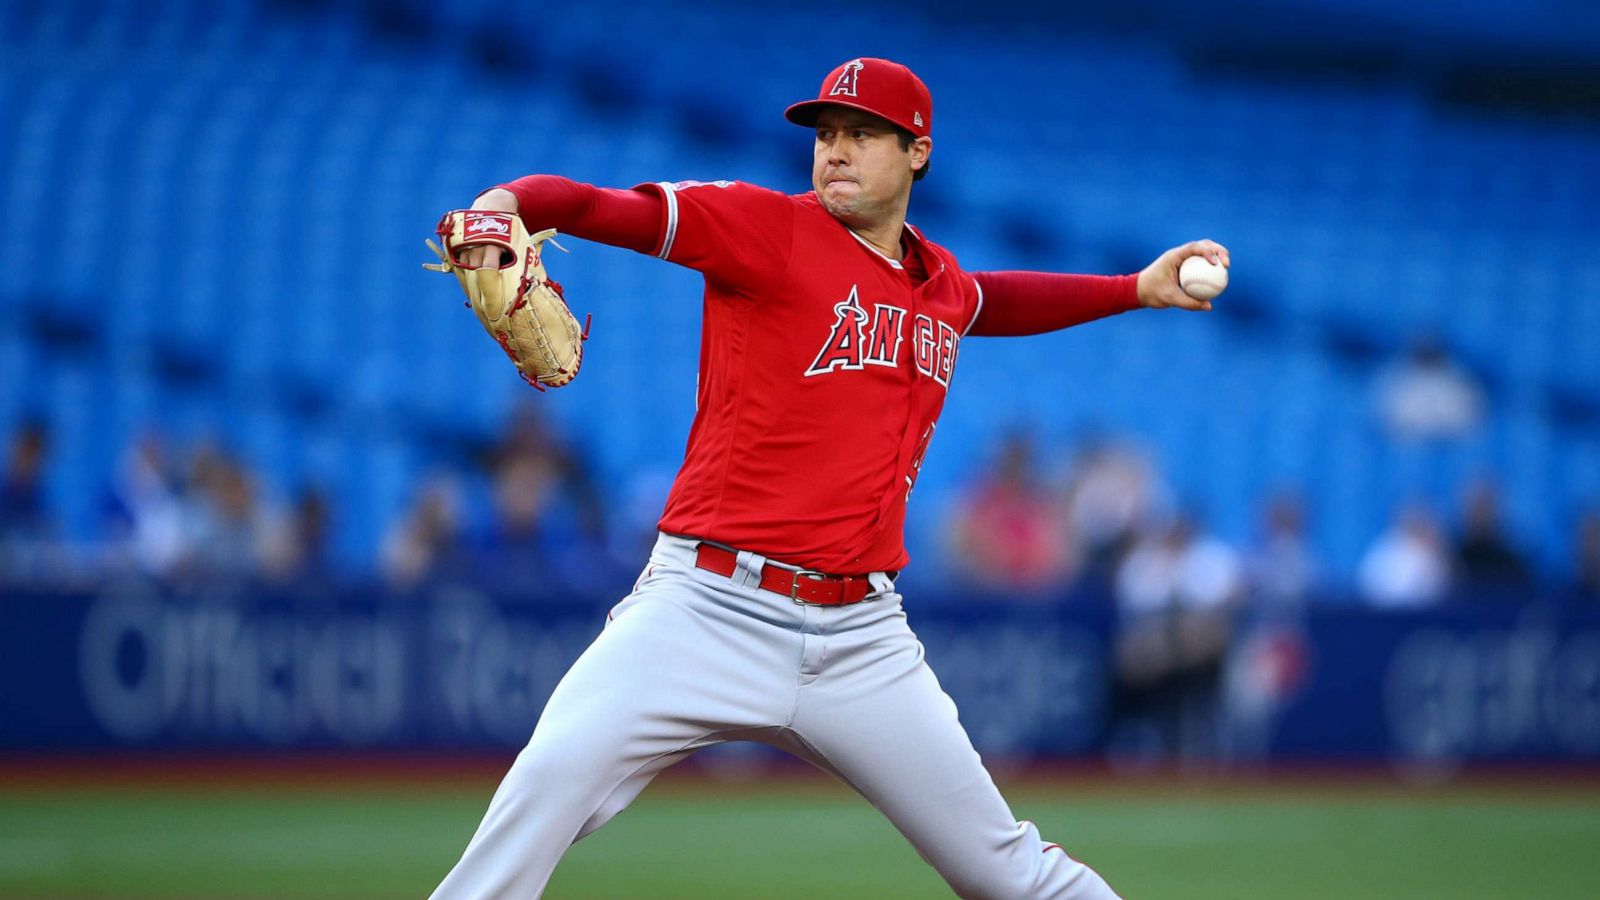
517,303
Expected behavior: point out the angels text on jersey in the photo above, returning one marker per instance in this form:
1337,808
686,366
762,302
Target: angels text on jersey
859,339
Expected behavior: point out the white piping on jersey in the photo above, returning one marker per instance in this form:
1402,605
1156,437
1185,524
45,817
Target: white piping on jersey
670,192
864,243
979,310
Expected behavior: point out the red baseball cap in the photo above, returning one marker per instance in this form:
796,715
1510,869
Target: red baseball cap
877,86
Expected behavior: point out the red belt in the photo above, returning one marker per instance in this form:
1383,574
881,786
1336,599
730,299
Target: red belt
801,586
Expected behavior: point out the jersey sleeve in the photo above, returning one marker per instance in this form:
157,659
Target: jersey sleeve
628,219
1012,304
738,235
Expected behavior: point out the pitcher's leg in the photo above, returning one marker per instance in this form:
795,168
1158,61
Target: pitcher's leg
654,686
890,731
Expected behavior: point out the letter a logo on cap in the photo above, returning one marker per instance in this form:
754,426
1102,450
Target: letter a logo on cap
846,84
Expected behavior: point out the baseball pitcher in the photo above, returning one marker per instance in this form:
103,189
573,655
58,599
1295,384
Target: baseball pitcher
767,610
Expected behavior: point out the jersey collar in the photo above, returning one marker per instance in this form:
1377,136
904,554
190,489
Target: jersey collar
915,243
895,263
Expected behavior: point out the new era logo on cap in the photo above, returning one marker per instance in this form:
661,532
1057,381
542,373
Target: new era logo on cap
878,86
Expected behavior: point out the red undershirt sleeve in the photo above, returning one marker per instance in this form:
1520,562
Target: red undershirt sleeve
1022,303
632,219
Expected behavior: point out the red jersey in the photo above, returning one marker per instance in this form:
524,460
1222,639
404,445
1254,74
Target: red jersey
823,365
823,370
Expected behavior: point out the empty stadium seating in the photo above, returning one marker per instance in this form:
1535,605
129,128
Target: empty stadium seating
215,215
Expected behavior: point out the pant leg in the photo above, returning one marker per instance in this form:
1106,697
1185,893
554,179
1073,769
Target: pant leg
664,678
876,716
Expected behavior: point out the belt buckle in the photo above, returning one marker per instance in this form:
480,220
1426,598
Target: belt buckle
794,585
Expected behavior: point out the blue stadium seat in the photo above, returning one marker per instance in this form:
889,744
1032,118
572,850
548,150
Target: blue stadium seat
312,155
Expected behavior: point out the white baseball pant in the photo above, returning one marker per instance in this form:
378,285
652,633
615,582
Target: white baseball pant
690,659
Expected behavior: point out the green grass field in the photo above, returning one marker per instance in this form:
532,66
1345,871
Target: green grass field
800,839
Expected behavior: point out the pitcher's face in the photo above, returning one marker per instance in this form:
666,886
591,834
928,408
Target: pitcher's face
859,169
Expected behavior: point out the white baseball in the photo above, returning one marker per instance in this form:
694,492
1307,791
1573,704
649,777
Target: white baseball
1201,278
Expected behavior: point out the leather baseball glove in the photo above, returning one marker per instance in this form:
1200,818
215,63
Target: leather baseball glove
517,303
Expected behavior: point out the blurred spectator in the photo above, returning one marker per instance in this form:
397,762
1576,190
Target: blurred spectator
1409,565
1283,568
548,525
522,485
1429,395
1113,492
1485,559
1010,534
146,527
1176,593
27,534
427,541
1267,667
24,517
1177,568
1267,659
297,547
1588,547
528,439
227,537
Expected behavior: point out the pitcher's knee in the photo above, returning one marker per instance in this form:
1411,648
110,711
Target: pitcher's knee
554,771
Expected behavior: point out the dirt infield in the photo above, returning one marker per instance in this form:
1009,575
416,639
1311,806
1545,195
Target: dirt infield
413,771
